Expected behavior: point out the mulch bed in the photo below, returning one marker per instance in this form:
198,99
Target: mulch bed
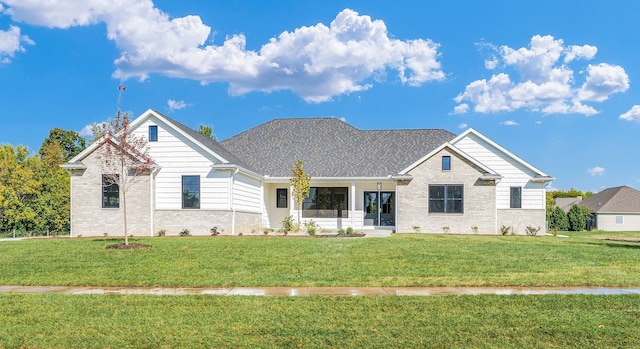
130,246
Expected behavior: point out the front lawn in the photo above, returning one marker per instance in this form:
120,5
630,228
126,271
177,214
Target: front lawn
584,259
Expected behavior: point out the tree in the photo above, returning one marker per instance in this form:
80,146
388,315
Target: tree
124,157
558,219
576,217
208,132
18,187
300,183
70,142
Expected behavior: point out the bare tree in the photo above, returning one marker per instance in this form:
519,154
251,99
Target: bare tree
124,157
300,184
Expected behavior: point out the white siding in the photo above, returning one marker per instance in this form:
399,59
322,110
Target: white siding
514,173
178,156
607,222
246,193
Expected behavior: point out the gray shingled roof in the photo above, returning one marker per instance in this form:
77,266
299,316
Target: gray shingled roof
330,147
614,200
208,142
566,203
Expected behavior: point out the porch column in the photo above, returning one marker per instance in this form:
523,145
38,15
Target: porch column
353,203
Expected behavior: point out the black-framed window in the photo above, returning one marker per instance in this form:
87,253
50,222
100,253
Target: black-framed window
110,193
281,198
446,163
515,197
326,202
153,133
190,191
447,198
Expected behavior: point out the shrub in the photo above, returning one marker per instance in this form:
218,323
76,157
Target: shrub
558,219
349,230
505,230
185,232
341,232
214,231
531,230
287,224
577,221
162,232
416,228
311,227
445,229
474,229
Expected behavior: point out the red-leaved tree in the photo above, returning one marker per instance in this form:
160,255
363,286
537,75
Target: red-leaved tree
124,157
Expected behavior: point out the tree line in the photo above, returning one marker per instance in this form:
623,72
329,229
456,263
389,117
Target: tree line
34,190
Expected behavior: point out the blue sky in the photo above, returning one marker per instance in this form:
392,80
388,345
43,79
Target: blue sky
555,82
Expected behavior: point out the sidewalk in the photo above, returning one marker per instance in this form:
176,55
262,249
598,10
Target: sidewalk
322,291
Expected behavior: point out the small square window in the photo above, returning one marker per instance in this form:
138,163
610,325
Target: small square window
619,219
153,133
281,198
446,163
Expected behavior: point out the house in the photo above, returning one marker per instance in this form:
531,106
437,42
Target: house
566,203
615,209
402,180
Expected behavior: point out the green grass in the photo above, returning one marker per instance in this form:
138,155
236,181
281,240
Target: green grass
402,260
144,321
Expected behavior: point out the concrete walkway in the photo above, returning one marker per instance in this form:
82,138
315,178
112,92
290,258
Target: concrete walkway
322,291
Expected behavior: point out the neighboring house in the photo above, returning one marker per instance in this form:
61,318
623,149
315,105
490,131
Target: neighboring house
566,203
382,179
615,209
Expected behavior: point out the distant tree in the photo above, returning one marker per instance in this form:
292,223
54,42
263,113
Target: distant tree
300,183
52,202
576,217
558,219
208,132
70,142
124,157
18,187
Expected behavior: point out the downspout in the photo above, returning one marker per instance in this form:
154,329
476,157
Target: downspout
233,207
152,200
70,203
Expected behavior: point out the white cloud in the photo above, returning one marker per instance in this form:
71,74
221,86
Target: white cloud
491,63
461,108
632,115
544,81
463,126
176,105
596,171
316,62
11,42
509,123
86,131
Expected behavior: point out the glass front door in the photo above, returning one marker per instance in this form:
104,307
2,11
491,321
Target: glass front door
379,208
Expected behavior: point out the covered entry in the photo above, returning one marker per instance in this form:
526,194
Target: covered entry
379,208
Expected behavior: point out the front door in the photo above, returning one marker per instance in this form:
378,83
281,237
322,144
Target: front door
379,208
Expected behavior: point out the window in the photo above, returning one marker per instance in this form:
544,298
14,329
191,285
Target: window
153,133
515,200
446,163
110,193
190,191
281,198
619,219
446,198
326,202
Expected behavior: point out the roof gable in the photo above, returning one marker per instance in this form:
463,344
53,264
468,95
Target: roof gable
621,199
332,148
206,144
